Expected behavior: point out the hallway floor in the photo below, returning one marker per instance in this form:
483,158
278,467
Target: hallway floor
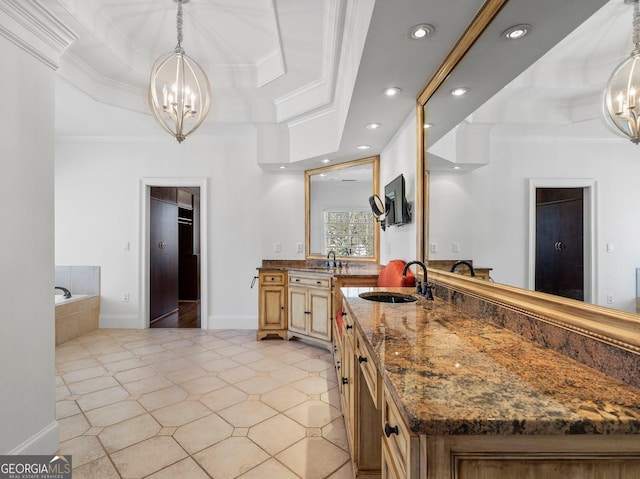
168,403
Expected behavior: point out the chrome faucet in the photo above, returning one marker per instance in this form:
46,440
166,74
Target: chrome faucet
421,288
329,263
466,263
67,293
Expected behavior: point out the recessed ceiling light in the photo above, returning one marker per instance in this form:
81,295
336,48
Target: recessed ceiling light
428,125
457,167
373,126
326,160
323,174
392,91
517,31
459,91
422,31
363,147
283,167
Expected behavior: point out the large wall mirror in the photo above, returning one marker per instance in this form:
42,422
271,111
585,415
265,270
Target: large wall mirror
338,214
529,125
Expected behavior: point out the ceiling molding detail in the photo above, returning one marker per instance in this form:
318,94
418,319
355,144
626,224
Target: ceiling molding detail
34,29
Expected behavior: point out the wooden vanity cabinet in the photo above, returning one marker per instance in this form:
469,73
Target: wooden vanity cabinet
310,311
400,446
406,455
272,304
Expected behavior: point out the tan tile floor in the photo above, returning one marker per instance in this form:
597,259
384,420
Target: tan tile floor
163,403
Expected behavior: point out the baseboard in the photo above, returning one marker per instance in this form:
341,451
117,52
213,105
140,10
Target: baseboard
231,322
44,442
119,321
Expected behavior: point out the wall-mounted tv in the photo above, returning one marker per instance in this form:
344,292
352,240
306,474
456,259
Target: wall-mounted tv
400,210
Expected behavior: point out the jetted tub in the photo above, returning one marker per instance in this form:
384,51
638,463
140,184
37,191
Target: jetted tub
76,316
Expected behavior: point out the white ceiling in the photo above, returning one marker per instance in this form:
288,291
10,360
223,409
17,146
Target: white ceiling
310,72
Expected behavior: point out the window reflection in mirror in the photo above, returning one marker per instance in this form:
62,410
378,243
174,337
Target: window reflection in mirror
338,214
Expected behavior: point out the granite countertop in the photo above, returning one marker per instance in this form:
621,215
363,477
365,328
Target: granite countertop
352,269
451,373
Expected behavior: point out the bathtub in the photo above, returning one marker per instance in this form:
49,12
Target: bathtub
76,316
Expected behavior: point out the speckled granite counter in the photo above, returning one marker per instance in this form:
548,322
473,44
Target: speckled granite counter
351,270
451,373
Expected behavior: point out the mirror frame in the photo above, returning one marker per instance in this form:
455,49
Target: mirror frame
374,161
618,328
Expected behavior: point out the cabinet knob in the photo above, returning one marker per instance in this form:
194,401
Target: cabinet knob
388,430
362,359
345,380
349,326
162,245
344,313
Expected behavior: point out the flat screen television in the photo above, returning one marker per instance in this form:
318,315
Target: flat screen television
399,210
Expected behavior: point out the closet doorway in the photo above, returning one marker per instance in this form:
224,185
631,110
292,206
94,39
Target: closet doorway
174,255
562,223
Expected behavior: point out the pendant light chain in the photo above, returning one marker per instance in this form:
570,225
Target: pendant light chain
179,27
636,27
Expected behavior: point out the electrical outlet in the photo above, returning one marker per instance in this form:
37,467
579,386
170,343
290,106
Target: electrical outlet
299,248
277,247
125,297
125,246
433,247
455,247
609,298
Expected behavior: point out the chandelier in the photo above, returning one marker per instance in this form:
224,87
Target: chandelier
179,95
621,98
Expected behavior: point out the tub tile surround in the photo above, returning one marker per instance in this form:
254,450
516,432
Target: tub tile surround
81,313
454,374
606,358
199,404
79,279
76,317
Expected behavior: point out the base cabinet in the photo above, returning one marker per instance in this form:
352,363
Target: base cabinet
272,304
406,455
310,312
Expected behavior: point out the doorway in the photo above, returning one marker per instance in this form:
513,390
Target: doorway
174,257
561,256
174,251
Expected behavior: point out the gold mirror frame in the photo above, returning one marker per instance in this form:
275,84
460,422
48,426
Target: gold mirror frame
374,161
618,328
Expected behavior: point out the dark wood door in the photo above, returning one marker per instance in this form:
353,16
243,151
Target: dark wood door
560,242
163,274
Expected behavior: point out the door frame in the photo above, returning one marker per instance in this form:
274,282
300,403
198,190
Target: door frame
144,192
589,215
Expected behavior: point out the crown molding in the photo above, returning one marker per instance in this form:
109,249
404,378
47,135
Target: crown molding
34,29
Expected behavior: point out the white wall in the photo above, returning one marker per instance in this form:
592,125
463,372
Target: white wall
27,412
400,156
97,209
487,210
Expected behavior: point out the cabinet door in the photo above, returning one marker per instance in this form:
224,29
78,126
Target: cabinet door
320,308
272,307
298,310
163,266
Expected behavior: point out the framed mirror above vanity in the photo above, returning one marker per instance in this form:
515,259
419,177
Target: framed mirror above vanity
530,120
338,215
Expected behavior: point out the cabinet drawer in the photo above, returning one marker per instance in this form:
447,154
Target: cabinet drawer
347,323
272,277
310,281
402,444
369,370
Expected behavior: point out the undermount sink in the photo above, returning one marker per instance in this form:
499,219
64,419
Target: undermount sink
384,297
